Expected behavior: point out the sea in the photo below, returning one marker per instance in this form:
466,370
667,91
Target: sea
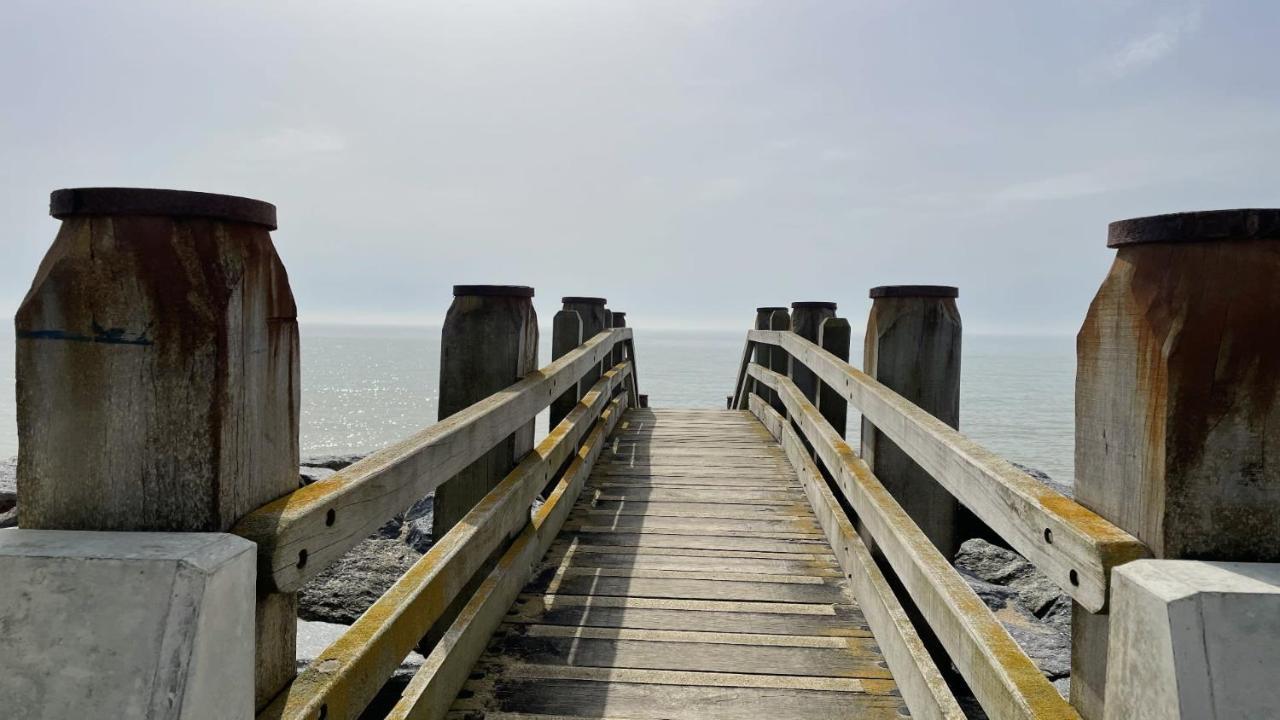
364,387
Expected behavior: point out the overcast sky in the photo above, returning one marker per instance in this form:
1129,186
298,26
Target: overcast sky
690,160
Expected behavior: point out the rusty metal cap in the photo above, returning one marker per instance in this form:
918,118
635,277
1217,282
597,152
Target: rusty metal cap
819,304
770,309
70,202
903,291
1204,226
521,291
578,300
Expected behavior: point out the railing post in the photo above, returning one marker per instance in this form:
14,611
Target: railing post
489,341
762,353
806,321
834,337
618,320
1177,400
779,361
566,334
594,319
157,377
912,346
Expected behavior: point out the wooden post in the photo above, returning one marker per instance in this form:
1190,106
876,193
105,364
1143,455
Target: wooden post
834,337
779,360
619,320
912,346
762,353
1178,400
594,316
566,334
157,376
806,321
489,341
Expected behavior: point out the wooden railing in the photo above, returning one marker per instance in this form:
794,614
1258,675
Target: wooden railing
301,533
1070,544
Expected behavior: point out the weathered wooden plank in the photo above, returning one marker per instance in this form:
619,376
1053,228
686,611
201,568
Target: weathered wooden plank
1005,681
728,511
923,687
820,554
850,658
701,589
303,532
446,668
1072,545
658,481
690,696
349,672
804,545
657,527
791,525
843,621
690,564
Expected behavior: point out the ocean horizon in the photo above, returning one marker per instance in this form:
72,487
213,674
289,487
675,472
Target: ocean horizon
365,386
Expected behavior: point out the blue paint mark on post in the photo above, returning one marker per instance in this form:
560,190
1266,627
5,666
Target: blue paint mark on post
111,336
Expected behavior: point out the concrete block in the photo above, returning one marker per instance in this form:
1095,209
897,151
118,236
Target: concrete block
1194,640
131,624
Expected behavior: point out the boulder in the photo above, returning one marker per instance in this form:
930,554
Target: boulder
349,586
1049,482
308,474
1006,568
331,462
8,485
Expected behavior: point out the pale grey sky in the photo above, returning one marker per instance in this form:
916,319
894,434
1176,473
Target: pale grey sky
690,160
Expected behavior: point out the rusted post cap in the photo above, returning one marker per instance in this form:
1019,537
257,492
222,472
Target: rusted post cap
1204,226
901,291
818,304
521,291
770,309
70,202
576,300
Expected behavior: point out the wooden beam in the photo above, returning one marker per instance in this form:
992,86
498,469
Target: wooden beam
438,681
346,676
1003,679
1072,545
923,688
303,532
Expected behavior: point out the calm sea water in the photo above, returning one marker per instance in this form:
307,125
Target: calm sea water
365,387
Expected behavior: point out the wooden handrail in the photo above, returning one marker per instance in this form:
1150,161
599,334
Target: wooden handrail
347,675
301,533
438,681
923,688
1004,680
1073,546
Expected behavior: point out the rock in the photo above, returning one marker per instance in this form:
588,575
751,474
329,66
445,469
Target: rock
1007,568
314,637
331,462
418,534
1063,686
308,474
8,485
349,586
1044,479
9,518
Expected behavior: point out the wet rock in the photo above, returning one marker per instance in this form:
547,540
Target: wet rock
9,518
349,586
308,474
418,534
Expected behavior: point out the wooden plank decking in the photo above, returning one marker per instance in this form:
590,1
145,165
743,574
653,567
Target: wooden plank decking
690,581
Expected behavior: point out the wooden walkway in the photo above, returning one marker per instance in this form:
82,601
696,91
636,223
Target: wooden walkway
690,581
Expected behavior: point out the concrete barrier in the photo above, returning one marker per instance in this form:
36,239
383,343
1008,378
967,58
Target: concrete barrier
1194,640
131,624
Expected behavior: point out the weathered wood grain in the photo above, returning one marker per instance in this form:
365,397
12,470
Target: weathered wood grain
302,533
1005,681
1072,545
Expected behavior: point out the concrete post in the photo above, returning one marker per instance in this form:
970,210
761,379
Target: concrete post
762,353
779,361
489,341
594,319
806,321
912,346
834,337
566,334
157,376
1178,400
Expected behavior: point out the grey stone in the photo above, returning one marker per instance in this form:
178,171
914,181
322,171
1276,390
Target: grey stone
308,474
1063,686
332,462
9,518
349,586
129,624
8,485
315,636
1043,477
418,534
1006,568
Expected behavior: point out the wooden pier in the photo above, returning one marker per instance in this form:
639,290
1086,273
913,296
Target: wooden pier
637,562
